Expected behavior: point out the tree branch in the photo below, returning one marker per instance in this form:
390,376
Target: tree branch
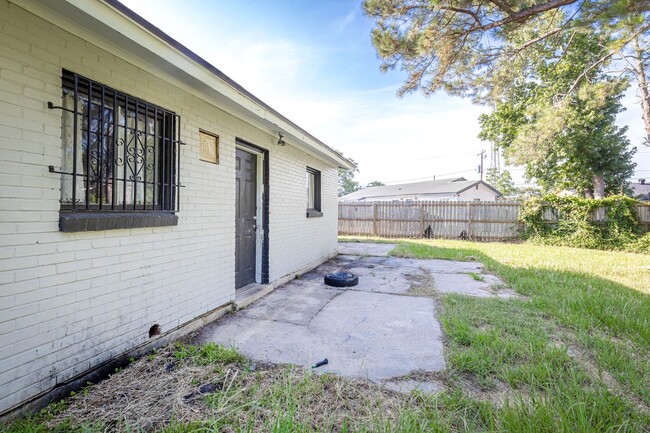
524,14
469,12
520,48
503,6
605,58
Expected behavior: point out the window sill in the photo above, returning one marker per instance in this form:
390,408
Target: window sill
313,213
97,221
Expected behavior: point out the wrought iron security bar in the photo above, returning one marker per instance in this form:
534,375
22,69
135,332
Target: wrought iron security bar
120,153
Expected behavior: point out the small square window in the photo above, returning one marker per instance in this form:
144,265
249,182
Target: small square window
313,193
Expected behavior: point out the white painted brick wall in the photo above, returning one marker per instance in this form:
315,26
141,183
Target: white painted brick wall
69,301
306,239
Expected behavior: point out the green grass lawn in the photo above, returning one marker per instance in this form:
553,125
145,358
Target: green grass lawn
571,355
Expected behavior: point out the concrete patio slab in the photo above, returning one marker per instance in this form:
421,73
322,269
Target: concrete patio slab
466,284
450,266
379,336
268,340
410,385
462,284
297,303
376,330
382,279
373,336
365,249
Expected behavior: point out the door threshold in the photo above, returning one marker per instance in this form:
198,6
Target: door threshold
244,296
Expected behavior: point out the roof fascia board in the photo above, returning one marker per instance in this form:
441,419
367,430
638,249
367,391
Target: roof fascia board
467,187
194,77
479,182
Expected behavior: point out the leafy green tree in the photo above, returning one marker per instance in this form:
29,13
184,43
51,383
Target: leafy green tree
347,184
567,143
477,48
501,181
375,183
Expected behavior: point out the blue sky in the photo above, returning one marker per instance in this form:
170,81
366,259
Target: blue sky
314,62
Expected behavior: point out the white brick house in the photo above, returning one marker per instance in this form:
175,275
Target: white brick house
97,245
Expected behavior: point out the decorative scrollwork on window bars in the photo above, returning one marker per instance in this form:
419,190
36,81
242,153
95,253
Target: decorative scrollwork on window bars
119,153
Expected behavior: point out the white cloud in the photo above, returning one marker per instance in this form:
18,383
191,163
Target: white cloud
267,67
393,139
343,23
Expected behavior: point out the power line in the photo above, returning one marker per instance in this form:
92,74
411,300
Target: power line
427,178
432,157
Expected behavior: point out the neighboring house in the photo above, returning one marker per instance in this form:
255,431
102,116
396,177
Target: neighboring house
140,187
641,190
457,189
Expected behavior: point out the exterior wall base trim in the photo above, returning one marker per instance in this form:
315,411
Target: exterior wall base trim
251,293
311,265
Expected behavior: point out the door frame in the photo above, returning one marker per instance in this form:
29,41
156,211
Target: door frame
262,214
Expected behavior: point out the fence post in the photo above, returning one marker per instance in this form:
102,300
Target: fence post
421,220
469,220
374,219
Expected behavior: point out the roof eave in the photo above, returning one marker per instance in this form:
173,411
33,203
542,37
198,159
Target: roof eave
116,28
480,182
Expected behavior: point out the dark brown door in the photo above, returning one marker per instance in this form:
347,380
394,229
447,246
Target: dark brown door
246,211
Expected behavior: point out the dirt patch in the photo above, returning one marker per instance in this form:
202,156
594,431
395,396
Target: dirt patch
499,393
422,284
590,366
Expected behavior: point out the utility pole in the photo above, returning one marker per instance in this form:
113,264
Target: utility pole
495,159
480,167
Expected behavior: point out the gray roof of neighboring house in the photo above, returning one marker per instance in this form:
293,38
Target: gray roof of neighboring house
442,187
641,190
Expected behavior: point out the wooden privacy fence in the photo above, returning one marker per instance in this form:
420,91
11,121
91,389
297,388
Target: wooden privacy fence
482,221
643,212
472,220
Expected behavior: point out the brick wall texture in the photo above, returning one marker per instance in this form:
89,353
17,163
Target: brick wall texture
69,301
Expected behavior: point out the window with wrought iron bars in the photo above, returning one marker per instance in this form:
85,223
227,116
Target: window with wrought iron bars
120,153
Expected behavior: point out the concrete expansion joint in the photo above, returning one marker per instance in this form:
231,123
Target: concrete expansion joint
338,293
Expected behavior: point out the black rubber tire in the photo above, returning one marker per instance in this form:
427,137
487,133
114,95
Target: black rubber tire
341,279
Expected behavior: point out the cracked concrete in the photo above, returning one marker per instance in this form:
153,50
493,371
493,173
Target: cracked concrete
377,330
409,385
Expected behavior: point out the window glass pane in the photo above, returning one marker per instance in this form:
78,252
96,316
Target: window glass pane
311,189
138,160
131,158
150,165
120,155
107,156
96,153
68,162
